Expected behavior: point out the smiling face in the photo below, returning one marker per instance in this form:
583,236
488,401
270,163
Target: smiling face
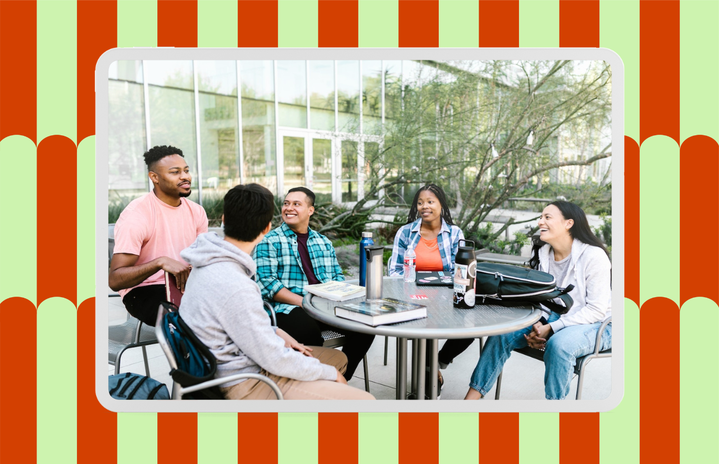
296,211
428,207
171,177
553,228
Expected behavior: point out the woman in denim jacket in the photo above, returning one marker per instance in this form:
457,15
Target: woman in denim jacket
569,250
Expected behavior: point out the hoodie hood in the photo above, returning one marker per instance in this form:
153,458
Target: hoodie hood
209,248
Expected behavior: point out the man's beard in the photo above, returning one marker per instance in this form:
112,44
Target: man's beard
185,195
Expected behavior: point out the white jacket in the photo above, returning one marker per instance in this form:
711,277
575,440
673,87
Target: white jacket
590,273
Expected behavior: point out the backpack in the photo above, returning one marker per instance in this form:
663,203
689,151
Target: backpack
508,284
131,386
195,362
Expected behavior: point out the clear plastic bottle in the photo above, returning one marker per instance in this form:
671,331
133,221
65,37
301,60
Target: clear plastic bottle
410,259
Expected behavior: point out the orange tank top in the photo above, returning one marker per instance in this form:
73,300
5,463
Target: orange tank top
428,257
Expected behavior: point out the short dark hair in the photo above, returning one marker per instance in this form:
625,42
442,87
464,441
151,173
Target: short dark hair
310,194
156,153
248,209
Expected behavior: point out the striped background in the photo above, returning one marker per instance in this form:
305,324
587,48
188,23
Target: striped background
670,411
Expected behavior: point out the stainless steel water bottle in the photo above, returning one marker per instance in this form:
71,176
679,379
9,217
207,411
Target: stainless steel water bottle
465,271
365,242
374,271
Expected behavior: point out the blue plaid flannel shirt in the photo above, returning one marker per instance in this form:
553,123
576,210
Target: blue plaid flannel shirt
279,265
408,236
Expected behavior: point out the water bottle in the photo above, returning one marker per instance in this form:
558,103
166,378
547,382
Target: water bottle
409,265
365,242
465,271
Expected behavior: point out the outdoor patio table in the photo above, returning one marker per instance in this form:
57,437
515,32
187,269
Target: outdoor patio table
443,321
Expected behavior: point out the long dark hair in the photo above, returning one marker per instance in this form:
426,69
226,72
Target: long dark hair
439,193
579,230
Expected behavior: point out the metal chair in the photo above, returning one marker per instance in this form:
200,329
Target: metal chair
179,390
578,367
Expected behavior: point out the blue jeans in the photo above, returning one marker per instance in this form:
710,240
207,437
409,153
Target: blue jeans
560,355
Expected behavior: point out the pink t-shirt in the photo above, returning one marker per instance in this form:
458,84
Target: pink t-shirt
150,228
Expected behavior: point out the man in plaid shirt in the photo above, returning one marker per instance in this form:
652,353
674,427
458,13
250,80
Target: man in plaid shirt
292,256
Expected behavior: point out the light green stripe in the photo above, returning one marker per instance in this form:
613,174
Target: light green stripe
619,428
539,23
699,380
86,219
297,438
136,23
378,23
458,438
458,23
659,219
217,23
538,431
699,68
297,23
619,31
56,381
18,210
136,438
378,438
56,69
216,438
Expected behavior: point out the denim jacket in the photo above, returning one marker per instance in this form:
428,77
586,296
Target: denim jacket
408,236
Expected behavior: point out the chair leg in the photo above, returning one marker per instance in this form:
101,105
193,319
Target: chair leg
386,342
144,358
580,379
366,374
499,386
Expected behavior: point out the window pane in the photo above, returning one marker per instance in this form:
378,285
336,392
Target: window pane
348,95
176,74
322,95
258,142
392,89
372,97
322,170
371,156
217,77
218,136
292,93
349,171
126,71
257,78
293,149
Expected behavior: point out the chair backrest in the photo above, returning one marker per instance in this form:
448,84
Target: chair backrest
172,293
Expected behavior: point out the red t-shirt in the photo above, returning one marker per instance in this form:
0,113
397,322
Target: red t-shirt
428,257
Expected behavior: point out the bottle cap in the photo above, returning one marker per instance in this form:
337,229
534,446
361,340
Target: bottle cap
367,234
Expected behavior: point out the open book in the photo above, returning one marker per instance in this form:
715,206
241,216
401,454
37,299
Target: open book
336,291
385,311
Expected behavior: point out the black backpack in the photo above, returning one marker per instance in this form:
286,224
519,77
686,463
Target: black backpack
503,283
195,362
130,386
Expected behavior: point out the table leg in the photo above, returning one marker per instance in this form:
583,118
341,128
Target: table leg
421,362
401,389
433,367
414,367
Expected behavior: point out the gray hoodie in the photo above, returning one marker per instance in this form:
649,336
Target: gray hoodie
223,306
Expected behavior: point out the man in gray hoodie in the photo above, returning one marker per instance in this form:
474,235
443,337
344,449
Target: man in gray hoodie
222,304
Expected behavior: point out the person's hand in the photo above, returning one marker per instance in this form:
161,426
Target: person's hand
340,378
290,342
180,270
535,342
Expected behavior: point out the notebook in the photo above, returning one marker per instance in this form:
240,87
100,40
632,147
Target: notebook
434,278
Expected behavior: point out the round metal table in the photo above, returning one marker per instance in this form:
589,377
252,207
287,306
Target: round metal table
443,321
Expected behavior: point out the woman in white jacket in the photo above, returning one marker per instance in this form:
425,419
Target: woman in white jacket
569,251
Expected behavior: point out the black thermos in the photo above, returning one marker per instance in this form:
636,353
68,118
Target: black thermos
465,270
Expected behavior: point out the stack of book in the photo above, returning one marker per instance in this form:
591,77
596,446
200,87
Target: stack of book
378,312
336,291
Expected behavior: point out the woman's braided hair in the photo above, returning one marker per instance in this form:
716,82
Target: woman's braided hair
439,193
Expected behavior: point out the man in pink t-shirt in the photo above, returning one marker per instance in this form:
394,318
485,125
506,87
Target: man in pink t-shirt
152,231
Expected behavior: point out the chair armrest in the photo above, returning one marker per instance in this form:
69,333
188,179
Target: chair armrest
271,310
598,341
221,380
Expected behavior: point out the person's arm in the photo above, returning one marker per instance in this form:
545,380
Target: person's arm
124,274
337,274
285,296
455,245
396,261
265,257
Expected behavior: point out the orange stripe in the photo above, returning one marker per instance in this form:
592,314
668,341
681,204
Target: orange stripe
177,23
419,23
338,23
658,69
571,427
579,23
96,426
418,437
56,219
699,198
499,438
177,438
96,33
258,23
338,434
499,23
18,381
18,69
659,382
257,438
631,220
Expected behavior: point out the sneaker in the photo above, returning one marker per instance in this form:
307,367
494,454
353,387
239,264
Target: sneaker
428,385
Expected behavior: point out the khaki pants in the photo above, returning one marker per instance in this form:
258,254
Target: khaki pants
252,389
